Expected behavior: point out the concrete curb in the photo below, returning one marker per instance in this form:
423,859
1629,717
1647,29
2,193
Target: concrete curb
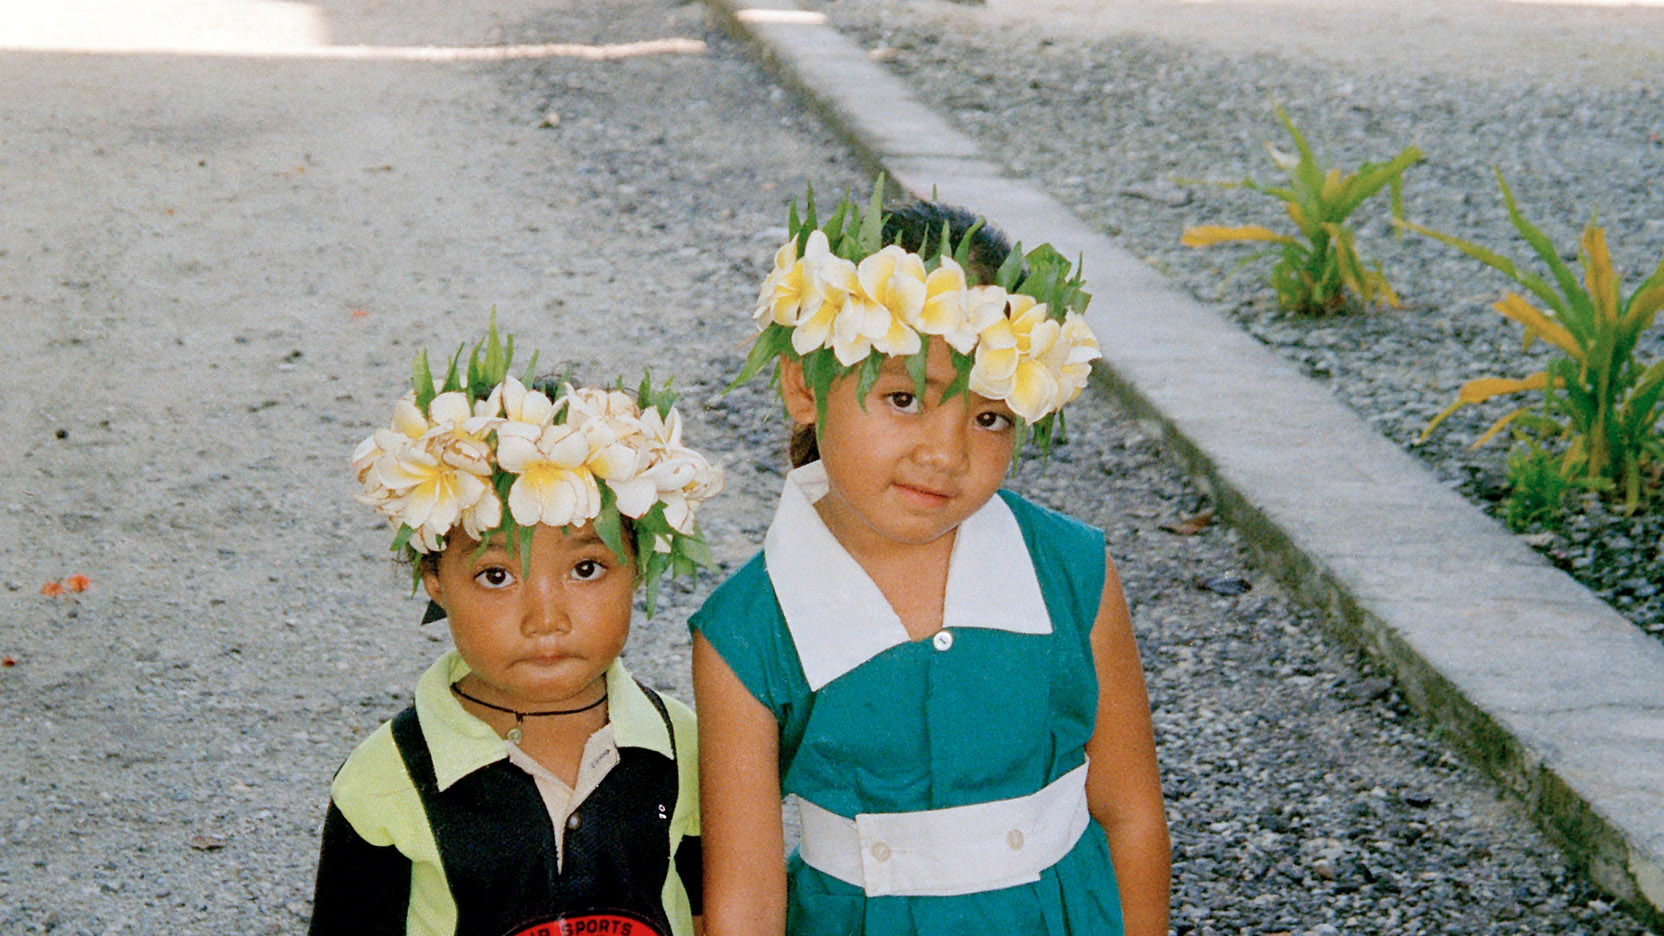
1541,683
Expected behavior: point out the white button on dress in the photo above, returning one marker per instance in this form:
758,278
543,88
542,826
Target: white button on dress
943,639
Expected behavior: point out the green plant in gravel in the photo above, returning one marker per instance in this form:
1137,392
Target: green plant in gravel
1600,405
1318,271
1537,491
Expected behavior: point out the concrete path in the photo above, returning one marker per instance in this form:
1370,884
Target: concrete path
1560,698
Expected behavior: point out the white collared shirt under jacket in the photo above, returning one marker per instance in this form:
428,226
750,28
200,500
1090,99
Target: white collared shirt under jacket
940,780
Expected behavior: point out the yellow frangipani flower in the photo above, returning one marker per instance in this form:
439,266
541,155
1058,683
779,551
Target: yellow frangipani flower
956,311
832,279
880,312
793,288
1002,346
1032,361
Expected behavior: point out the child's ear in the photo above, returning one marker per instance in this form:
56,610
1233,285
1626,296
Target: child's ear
430,583
800,400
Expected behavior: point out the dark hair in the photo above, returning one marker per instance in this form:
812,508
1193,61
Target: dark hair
919,223
912,226
804,447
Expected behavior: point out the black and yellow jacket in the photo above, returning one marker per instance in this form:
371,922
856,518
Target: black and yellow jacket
431,830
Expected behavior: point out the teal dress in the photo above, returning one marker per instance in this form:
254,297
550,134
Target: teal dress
994,710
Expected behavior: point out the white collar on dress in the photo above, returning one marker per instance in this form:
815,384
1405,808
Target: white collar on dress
839,619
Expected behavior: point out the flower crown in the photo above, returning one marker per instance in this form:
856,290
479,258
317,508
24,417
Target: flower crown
460,448
840,301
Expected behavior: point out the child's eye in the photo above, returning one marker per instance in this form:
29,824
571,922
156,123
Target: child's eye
494,577
904,401
587,570
993,420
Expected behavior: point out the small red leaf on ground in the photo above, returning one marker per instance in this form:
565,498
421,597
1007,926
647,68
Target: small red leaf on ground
8,661
77,583
361,313
1190,526
52,589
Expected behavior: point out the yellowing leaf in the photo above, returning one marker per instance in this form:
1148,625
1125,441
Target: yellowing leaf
1480,390
1536,322
1387,294
1206,235
1483,388
1597,274
1497,427
1577,453
1646,302
1298,217
1331,185
1443,415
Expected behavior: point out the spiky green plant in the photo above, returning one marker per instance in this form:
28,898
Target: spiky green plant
1318,270
1600,404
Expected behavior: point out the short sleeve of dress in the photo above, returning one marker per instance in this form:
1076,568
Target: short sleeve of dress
1068,559
743,623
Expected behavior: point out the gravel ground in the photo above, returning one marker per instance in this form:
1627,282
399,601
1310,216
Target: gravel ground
1117,125
172,730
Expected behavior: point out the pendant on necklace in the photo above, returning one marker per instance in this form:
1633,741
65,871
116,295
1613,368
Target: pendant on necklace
515,734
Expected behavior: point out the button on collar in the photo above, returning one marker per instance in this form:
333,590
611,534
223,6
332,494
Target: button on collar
943,639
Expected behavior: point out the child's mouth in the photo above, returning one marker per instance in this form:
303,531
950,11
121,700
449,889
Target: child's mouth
922,496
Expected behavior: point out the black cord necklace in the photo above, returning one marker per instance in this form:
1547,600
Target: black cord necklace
515,734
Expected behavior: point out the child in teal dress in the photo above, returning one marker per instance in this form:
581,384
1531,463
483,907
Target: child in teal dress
942,673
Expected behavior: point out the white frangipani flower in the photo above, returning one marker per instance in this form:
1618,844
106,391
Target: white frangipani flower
555,485
518,404
364,457
427,492
427,470
668,473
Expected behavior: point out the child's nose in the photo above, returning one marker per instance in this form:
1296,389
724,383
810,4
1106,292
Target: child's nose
944,444
543,612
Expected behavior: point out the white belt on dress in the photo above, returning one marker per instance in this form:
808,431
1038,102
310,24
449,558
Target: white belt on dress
952,851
